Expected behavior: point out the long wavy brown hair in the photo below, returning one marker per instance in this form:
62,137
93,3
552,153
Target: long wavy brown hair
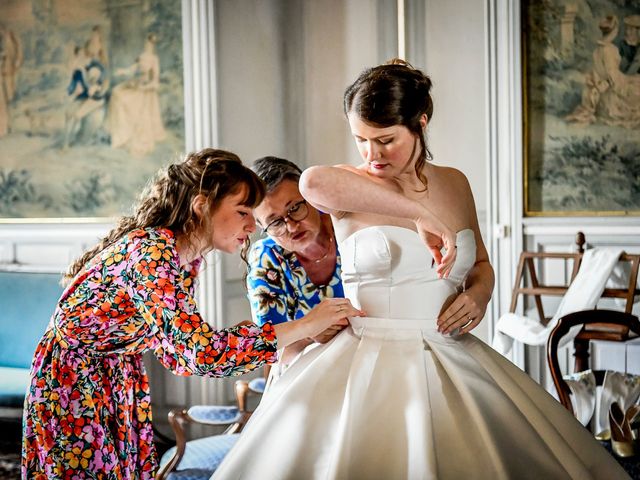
167,200
394,93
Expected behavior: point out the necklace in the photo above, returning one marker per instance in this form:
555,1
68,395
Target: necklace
326,254
323,256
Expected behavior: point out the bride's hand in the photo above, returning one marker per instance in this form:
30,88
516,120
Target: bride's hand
436,235
463,315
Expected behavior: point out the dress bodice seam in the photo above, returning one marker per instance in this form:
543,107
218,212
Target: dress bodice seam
352,234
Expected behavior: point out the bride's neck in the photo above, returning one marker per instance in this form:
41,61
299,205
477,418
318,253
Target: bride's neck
408,180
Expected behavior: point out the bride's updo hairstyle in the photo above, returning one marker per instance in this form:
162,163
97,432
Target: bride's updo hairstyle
394,93
167,200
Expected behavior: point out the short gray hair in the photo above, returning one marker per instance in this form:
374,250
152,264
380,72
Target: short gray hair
274,170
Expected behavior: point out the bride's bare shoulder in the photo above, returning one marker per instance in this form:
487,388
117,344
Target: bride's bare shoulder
450,175
351,168
445,171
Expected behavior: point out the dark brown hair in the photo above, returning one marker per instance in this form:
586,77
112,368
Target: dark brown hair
393,94
167,200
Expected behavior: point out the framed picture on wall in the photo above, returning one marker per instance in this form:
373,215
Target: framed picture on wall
581,91
91,104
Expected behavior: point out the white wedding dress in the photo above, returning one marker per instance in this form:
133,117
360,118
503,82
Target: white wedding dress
391,398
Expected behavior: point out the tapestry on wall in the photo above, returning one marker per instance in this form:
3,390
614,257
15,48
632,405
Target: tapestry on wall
581,107
91,104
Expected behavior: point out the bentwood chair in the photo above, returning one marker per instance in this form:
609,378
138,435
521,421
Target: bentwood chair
604,318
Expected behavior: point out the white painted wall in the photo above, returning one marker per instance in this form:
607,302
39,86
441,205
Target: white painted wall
47,246
283,67
340,40
456,62
250,73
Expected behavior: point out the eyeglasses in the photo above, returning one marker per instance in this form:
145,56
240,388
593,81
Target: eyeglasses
297,213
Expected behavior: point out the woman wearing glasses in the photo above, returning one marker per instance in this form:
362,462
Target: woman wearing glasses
294,272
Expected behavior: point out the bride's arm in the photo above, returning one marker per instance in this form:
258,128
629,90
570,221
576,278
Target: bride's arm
468,309
340,189
337,190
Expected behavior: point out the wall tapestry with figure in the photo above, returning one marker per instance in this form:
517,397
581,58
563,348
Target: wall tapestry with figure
581,107
91,104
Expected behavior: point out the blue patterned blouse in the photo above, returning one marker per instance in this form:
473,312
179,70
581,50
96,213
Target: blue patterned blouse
279,289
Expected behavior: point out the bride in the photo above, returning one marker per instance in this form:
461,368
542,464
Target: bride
400,394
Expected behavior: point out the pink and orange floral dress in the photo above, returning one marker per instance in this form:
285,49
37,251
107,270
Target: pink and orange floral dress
87,411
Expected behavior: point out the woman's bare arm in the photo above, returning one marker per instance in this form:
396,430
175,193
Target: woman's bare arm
336,190
467,310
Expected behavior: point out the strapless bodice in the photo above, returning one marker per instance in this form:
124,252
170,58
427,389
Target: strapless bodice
387,271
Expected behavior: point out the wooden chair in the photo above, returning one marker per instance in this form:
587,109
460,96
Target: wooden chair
198,459
612,318
591,330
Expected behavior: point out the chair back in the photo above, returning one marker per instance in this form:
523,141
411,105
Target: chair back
611,318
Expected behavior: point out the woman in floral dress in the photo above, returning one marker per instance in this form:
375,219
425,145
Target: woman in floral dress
87,411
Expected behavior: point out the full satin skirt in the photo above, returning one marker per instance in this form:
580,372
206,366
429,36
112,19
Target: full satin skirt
389,403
